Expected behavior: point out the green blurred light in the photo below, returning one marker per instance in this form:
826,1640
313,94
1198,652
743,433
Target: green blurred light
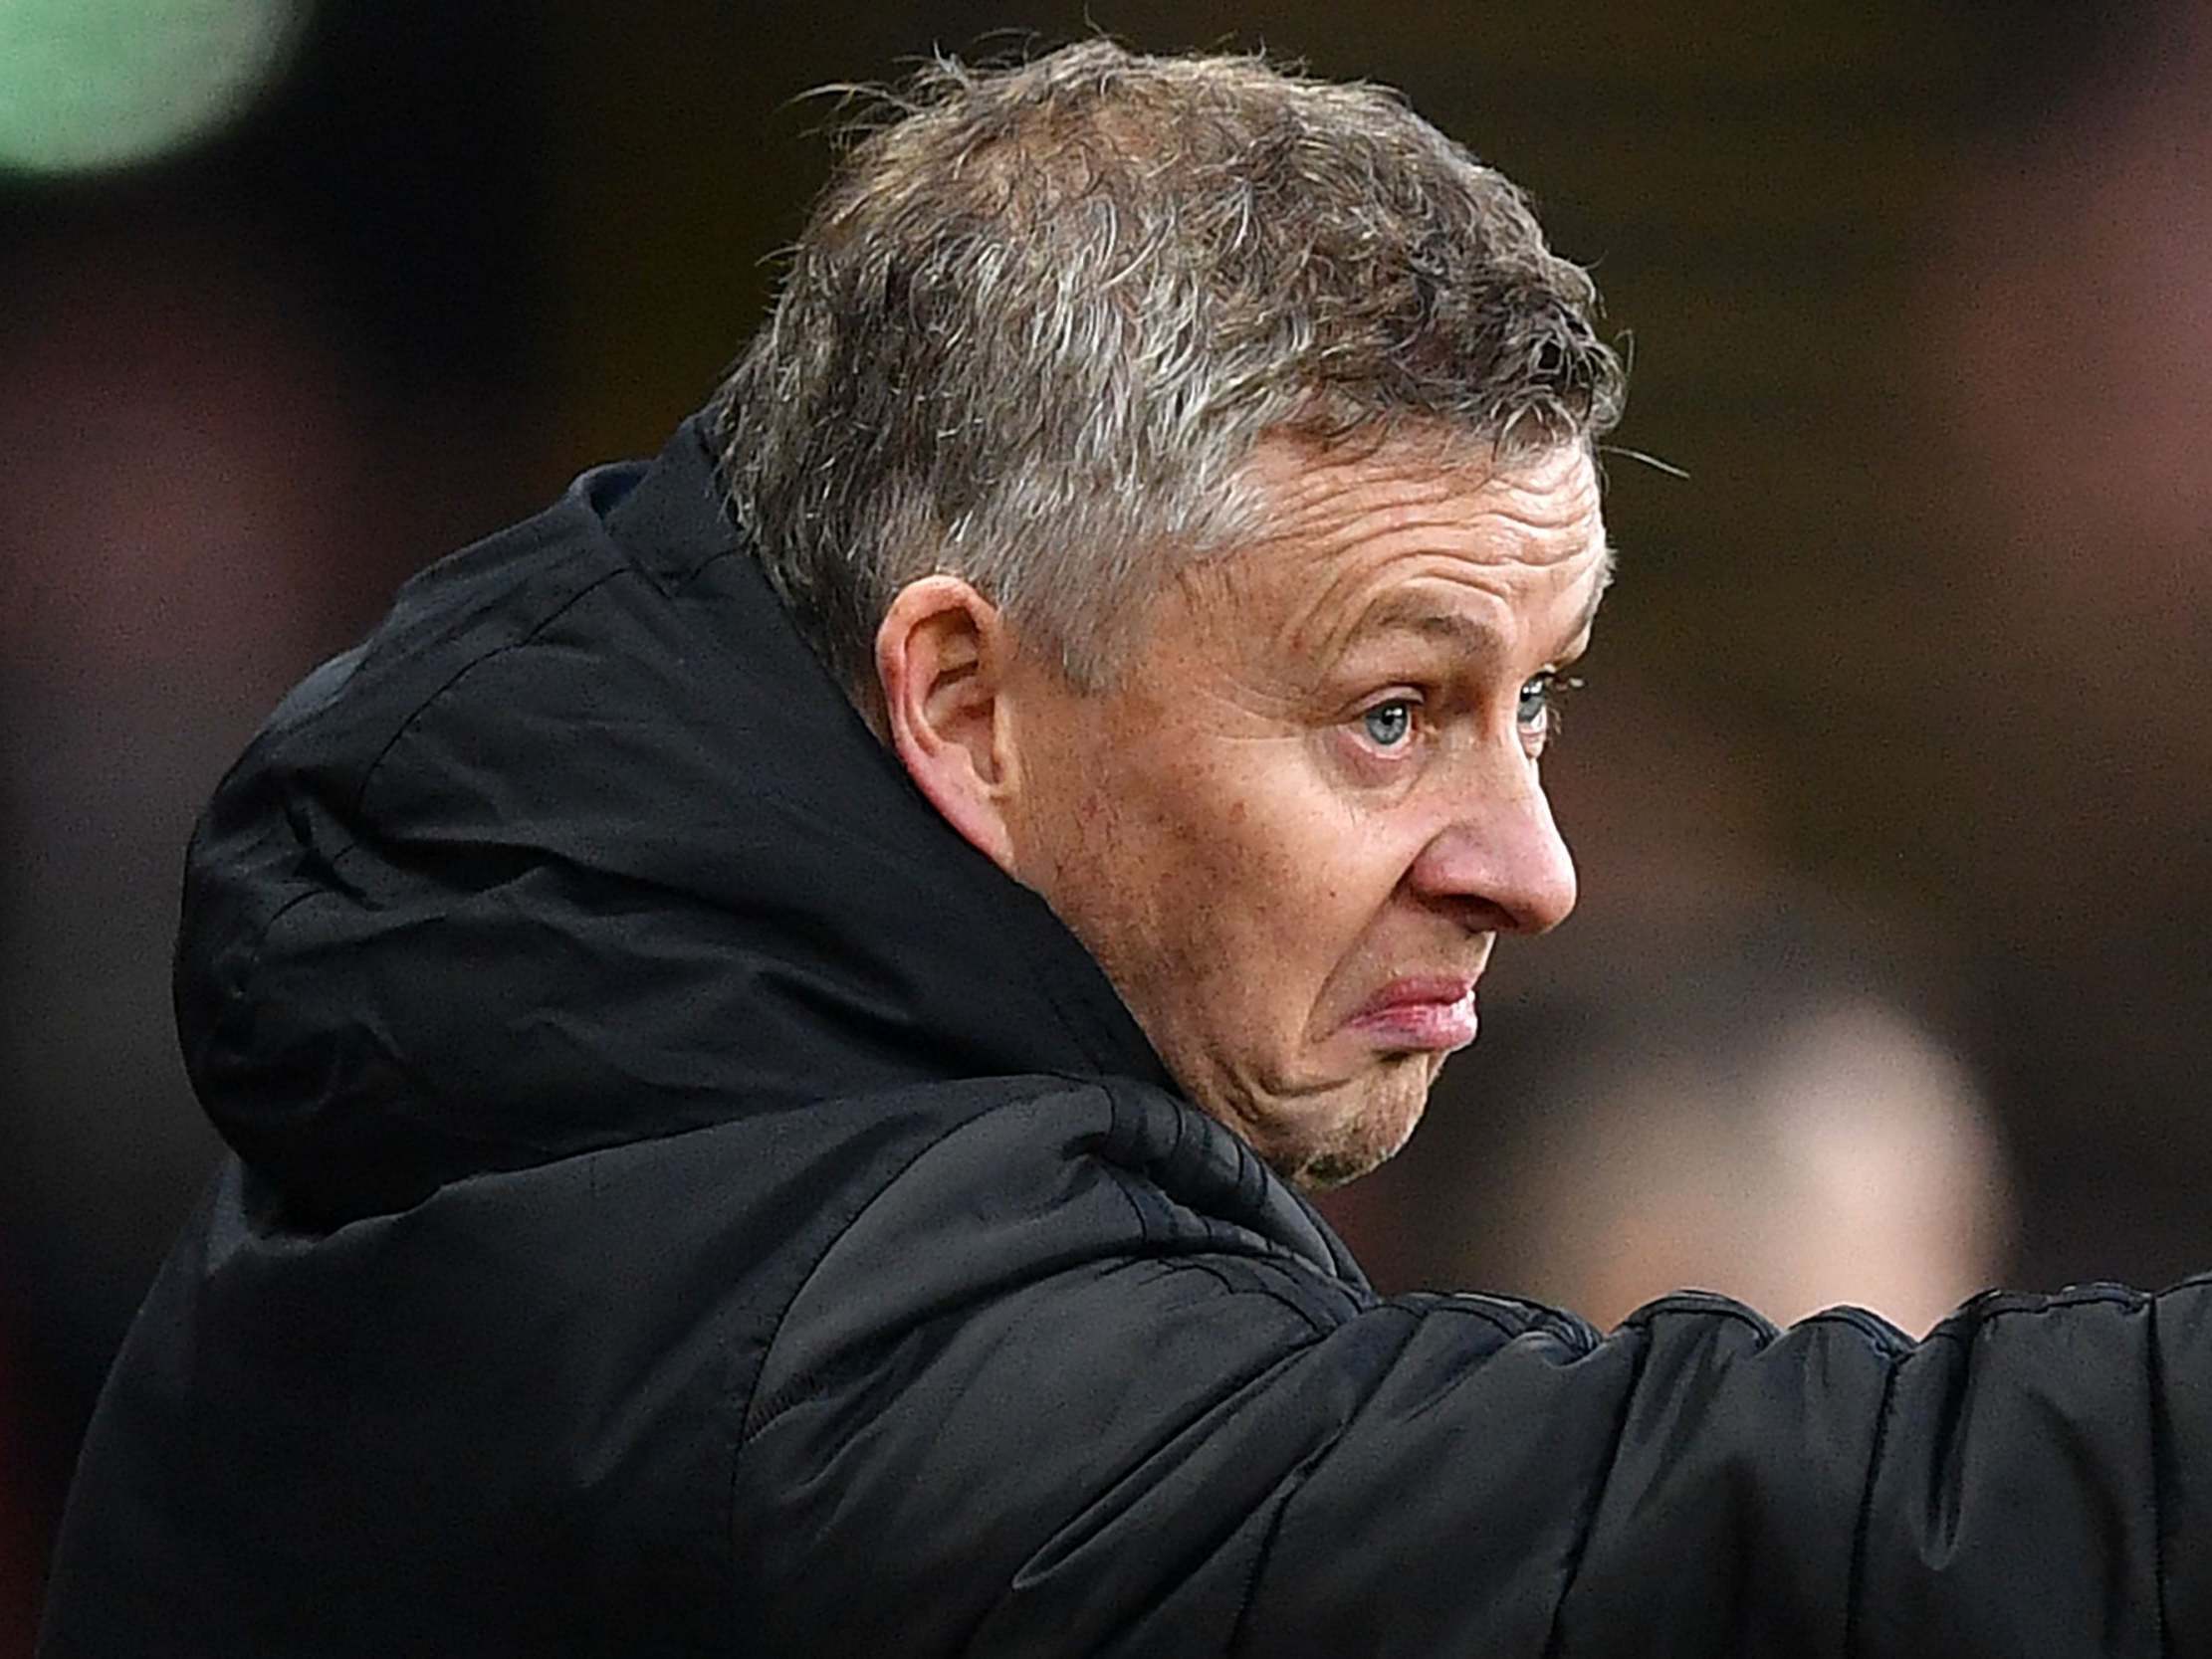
88,84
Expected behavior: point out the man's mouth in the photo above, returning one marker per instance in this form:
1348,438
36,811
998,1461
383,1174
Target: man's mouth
1432,1012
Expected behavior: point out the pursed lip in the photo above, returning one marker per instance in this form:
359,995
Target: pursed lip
1421,1011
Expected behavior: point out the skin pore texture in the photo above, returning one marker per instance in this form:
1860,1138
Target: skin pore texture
1293,826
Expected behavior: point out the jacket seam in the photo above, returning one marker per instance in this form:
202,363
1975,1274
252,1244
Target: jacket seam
686,577
1194,1250
2154,1380
1250,1588
1306,1315
818,1383
747,1430
1708,1307
2123,1296
1861,1535
1321,1455
529,637
1469,1304
1136,1209
1117,1129
1580,1549
799,1390
252,967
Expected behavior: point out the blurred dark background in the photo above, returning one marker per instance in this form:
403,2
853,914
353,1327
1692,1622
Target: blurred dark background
1890,787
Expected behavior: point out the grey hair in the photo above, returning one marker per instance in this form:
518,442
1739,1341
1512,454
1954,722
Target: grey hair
1037,323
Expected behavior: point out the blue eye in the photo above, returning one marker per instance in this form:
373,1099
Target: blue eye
1539,705
1389,724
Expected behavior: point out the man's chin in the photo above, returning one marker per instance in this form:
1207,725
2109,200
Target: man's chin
1362,1139
1317,1134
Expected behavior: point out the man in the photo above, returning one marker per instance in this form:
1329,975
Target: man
773,1017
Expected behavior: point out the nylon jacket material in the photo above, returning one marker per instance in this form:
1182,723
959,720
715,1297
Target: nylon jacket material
685,1200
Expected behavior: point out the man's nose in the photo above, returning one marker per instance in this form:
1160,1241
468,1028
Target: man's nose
1501,864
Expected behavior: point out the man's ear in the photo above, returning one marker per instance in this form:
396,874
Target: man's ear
943,654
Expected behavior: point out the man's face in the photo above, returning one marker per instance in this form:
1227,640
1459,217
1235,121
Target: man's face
1292,829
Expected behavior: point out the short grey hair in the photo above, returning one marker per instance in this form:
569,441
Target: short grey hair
1038,322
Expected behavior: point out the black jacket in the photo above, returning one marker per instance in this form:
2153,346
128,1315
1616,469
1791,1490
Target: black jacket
687,1201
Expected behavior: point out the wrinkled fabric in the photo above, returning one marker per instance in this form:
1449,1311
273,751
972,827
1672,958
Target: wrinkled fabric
685,1200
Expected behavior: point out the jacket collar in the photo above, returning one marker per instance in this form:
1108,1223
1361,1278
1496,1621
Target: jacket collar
584,846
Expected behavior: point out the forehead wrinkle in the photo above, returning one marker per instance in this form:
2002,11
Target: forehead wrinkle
1420,614
1349,522
1428,534
1435,526
1414,613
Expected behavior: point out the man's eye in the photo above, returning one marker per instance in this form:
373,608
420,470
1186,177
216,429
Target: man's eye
1539,710
1389,724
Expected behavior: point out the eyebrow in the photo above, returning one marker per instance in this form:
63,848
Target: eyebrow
1410,613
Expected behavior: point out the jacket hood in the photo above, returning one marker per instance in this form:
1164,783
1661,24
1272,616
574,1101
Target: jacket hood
584,846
